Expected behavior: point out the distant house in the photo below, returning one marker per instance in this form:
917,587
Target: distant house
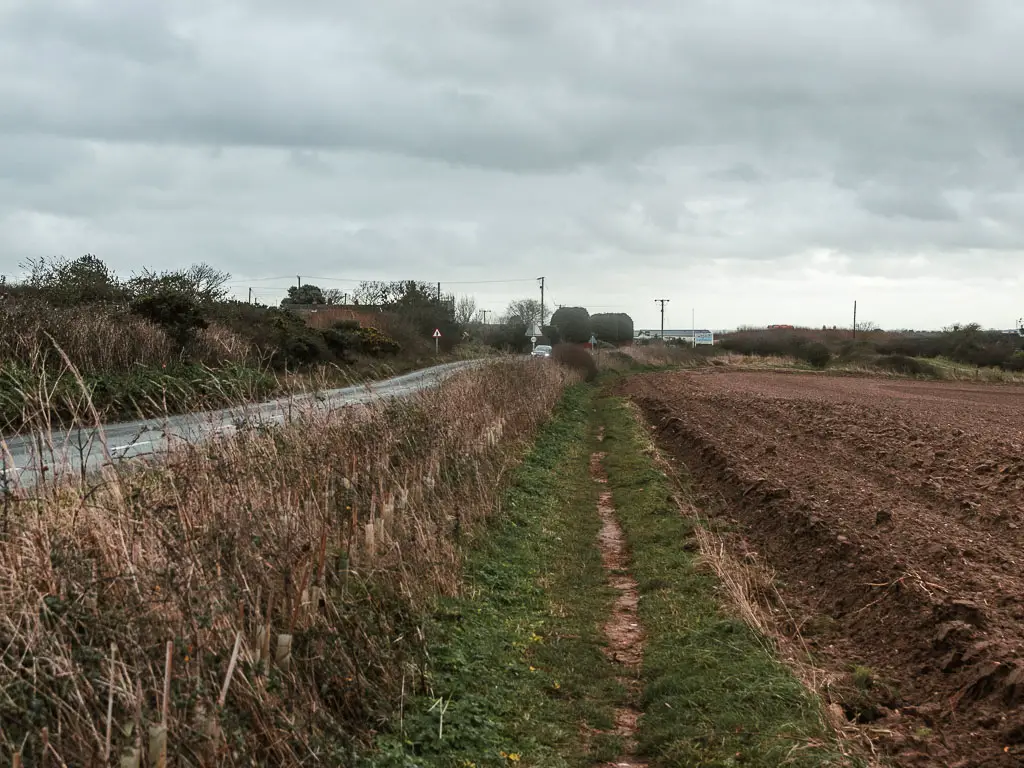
326,315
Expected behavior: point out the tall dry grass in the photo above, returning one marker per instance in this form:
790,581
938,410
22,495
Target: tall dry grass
104,339
259,595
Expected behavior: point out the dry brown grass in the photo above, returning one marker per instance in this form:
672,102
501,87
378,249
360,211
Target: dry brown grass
103,339
576,358
305,553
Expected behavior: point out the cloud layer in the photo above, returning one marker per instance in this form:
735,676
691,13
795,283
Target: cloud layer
762,162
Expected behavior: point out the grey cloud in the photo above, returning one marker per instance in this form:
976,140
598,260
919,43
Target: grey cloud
741,172
602,138
924,206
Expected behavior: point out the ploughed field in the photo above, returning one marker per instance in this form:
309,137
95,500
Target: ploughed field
892,513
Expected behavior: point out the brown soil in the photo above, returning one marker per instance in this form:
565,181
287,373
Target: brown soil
625,636
893,514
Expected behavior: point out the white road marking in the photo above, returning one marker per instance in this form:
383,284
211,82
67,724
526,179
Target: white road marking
130,445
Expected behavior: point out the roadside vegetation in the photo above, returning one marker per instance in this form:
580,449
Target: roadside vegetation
109,347
258,598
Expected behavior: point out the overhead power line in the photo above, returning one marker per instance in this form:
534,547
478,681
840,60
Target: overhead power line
360,280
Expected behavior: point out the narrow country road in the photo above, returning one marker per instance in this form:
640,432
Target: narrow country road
87,449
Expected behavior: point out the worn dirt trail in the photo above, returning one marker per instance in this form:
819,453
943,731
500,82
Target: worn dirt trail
623,630
893,513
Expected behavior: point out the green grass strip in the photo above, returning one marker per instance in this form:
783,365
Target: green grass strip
515,664
714,695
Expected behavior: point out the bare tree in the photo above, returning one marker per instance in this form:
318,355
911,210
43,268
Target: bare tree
335,296
209,284
522,312
465,308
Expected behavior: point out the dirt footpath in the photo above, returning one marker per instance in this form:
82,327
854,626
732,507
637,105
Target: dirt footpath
893,515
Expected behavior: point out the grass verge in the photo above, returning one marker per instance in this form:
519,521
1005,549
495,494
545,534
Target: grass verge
516,674
714,692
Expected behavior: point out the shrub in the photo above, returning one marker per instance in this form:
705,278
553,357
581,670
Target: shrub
576,358
1014,363
908,366
376,343
857,352
176,313
553,335
509,337
66,282
573,324
815,353
612,326
775,343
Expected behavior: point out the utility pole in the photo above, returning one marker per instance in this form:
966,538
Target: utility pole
855,318
693,326
299,279
438,293
663,302
541,303
250,295
484,312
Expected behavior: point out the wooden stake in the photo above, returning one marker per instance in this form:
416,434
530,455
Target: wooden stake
167,682
158,733
265,648
110,703
132,758
299,603
158,746
231,671
283,657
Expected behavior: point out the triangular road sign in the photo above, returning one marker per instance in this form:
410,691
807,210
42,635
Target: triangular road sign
437,333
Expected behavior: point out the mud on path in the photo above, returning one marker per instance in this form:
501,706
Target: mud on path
893,514
625,636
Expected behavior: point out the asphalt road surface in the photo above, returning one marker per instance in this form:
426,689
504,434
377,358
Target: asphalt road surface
88,449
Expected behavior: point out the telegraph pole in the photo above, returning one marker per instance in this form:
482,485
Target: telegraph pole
299,279
250,295
484,312
541,303
855,318
663,302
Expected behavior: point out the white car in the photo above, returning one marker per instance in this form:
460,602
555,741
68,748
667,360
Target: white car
542,350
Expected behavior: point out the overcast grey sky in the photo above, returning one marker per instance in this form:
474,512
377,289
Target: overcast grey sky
762,162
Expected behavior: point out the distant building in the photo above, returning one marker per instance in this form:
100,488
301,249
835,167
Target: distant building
704,336
326,315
